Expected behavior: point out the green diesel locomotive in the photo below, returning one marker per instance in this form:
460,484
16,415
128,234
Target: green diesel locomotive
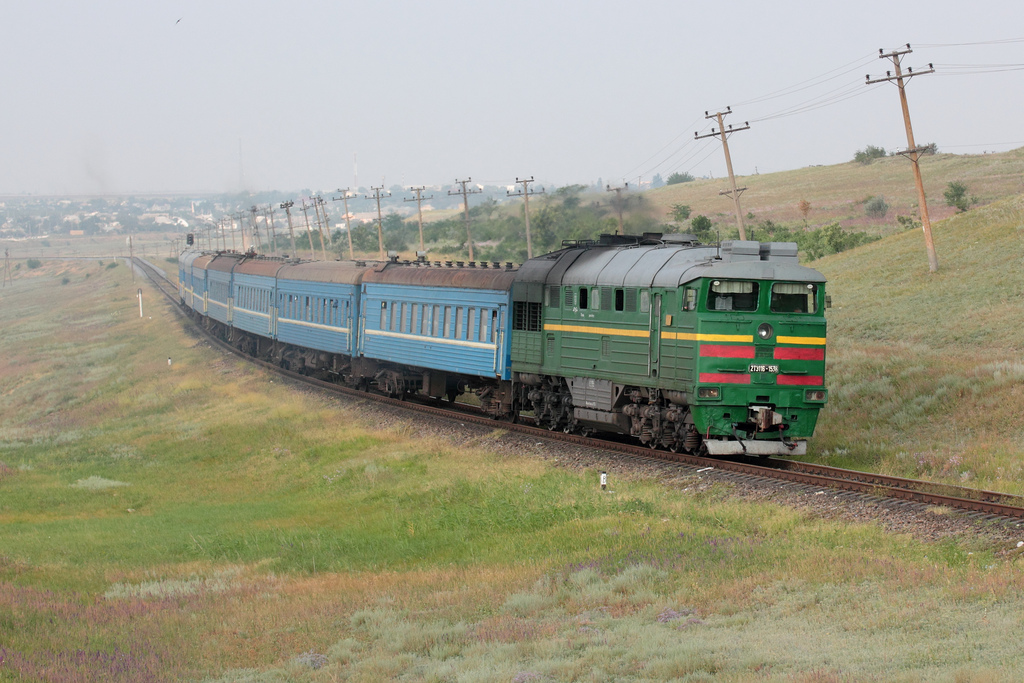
684,346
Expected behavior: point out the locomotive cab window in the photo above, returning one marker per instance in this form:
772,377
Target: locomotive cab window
792,297
689,299
732,295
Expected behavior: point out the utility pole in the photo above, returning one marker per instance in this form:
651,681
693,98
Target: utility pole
8,276
913,152
224,228
348,220
309,231
287,206
255,228
268,223
735,192
618,202
419,209
465,207
241,228
525,194
317,201
380,219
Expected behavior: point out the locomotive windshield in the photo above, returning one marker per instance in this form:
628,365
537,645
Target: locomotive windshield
793,297
732,295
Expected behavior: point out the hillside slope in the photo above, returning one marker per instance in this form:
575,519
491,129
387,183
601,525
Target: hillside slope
925,369
838,192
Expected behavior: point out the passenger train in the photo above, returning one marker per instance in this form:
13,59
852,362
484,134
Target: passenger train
689,347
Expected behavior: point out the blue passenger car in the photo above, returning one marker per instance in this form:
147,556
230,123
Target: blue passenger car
317,305
218,286
254,292
450,319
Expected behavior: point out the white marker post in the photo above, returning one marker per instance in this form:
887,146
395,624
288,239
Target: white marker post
604,481
140,301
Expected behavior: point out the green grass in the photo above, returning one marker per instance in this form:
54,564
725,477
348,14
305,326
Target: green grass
266,533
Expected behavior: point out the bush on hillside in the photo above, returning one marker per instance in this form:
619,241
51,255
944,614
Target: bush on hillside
680,212
677,178
33,263
700,226
876,207
829,239
868,154
956,195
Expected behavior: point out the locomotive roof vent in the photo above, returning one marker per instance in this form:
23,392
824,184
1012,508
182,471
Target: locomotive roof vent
447,264
495,264
741,250
472,264
780,252
508,265
360,263
460,264
421,256
484,264
393,256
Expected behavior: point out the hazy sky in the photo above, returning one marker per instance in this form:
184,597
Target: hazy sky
188,95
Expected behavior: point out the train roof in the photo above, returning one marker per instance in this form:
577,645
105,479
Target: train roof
655,260
338,272
224,262
458,274
266,267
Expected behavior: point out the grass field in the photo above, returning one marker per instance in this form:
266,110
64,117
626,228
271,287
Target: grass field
203,521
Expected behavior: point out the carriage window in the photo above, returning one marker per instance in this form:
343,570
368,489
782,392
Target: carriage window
446,325
791,297
494,325
732,295
383,314
482,336
458,322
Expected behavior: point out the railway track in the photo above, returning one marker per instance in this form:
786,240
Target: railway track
986,503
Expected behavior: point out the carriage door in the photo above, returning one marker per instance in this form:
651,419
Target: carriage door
655,311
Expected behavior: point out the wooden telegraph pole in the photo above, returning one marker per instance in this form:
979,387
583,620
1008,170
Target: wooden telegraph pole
913,152
525,194
419,210
465,210
8,276
380,218
620,204
735,192
348,219
317,205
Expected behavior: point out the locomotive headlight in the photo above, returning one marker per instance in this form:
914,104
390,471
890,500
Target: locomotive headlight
708,392
765,331
814,395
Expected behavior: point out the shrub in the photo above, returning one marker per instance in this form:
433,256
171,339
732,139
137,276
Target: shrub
868,154
678,177
876,207
700,226
956,195
680,212
112,264
64,280
908,222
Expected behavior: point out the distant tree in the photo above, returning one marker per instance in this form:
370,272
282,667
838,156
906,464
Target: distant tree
657,181
701,227
680,212
805,208
868,154
875,207
956,195
679,177
930,148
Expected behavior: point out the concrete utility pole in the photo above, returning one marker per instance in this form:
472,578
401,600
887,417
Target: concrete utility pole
309,231
241,228
268,222
380,219
618,202
287,206
465,207
419,209
8,276
348,220
255,228
735,192
225,221
525,194
913,152
317,202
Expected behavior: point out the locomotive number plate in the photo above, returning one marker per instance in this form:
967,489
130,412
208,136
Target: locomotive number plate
763,368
